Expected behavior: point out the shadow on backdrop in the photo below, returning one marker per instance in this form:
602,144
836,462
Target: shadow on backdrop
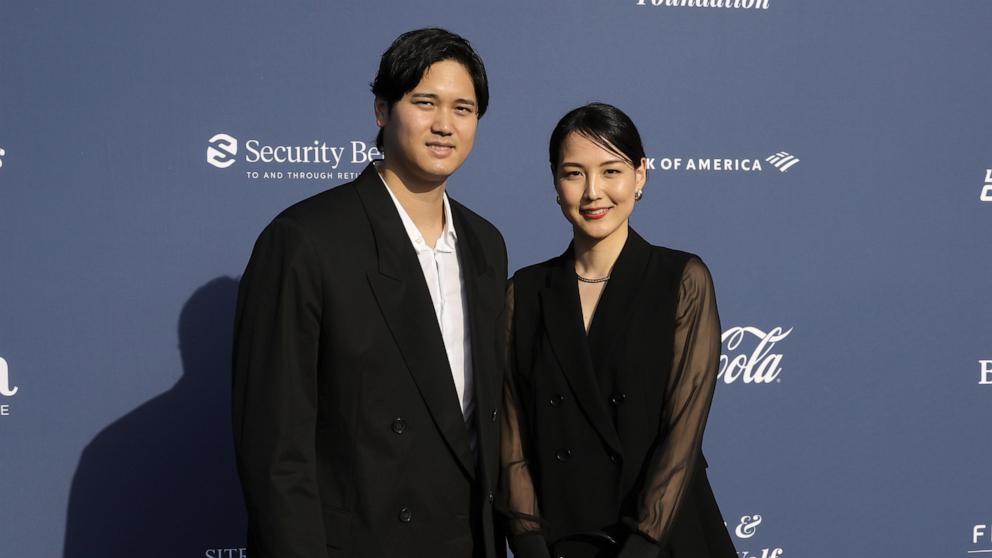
161,481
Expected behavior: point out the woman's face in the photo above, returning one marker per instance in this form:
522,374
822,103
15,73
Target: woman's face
596,187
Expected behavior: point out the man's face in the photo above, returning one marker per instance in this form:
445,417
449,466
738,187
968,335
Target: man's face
429,132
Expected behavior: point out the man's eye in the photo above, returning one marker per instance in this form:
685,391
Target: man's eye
464,110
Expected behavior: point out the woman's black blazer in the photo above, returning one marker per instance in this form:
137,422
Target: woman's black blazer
603,432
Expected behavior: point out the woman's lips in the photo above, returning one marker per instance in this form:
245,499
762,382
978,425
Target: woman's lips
597,213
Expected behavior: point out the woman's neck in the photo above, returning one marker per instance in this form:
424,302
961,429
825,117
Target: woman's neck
594,257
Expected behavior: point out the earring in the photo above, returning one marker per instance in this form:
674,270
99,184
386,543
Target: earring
638,195
557,199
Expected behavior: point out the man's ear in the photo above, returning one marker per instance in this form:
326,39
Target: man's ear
381,108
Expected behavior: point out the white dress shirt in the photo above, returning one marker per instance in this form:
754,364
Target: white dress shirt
443,275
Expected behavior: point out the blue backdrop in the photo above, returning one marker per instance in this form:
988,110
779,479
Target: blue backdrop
827,159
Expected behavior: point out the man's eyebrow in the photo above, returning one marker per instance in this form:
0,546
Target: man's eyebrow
434,97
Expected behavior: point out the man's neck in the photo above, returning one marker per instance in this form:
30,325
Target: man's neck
423,202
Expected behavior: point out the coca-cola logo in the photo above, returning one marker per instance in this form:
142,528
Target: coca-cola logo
748,355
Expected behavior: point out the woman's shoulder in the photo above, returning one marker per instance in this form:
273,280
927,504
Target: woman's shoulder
673,254
537,272
685,267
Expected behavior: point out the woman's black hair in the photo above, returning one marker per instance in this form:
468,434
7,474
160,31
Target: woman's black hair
604,125
404,63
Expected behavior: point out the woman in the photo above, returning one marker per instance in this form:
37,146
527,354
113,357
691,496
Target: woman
612,361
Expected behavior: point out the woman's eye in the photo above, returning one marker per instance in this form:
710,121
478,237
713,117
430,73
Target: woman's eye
612,171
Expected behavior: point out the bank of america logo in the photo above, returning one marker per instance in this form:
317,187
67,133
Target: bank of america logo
783,161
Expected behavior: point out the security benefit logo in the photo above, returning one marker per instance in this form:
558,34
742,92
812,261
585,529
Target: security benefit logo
6,389
2,153
985,372
312,160
222,151
744,534
781,161
750,355
986,193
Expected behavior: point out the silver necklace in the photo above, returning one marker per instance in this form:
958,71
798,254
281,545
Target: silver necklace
588,280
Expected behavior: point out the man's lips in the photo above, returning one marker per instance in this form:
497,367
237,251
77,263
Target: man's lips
440,149
595,212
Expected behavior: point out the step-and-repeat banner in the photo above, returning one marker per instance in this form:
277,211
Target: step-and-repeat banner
830,161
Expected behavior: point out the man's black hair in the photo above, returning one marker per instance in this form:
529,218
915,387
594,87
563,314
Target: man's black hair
403,64
604,125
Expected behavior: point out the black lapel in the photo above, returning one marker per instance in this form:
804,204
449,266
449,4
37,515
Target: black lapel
563,323
484,291
615,309
406,305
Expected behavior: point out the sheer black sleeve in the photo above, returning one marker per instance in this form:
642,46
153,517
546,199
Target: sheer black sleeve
687,404
518,497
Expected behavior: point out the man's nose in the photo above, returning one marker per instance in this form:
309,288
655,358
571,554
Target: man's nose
442,122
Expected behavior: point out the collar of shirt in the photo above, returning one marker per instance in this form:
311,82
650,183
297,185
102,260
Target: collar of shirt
445,243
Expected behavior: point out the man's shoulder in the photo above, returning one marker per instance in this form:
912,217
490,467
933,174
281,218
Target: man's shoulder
324,209
480,226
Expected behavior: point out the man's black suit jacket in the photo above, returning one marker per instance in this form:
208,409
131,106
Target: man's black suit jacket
349,434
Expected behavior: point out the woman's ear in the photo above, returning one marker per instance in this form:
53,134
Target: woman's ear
641,173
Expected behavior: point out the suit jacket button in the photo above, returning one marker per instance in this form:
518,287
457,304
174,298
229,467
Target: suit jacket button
491,498
399,426
494,413
405,516
563,455
617,398
556,399
614,458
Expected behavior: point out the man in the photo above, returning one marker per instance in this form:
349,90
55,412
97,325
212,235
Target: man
366,387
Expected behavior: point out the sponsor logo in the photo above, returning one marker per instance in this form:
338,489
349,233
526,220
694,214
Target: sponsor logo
985,372
222,150
225,553
981,536
781,161
6,390
315,160
747,527
985,195
726,4
759,366
2,153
